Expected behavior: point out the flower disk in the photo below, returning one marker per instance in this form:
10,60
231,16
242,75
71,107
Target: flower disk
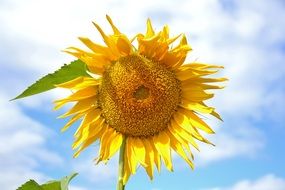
138,96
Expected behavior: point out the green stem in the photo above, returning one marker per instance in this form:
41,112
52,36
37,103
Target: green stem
120,185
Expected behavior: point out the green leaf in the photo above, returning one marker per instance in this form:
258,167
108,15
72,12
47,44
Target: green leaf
66,180
51,185
59,185
65,73
30,185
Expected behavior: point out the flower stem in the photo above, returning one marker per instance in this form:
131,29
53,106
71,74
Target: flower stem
120,185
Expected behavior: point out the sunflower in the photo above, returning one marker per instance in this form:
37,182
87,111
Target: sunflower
144,98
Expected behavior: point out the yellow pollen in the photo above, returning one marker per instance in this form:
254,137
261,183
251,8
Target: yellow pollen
138,96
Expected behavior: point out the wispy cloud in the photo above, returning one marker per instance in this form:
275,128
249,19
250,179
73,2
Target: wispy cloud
23,151
76,188
99,176
269,181
245,142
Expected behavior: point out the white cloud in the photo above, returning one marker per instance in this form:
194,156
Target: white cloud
72,187
22,147
96,173
14,177
246,142
269,181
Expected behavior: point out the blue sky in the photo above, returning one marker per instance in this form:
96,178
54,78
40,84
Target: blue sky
247,37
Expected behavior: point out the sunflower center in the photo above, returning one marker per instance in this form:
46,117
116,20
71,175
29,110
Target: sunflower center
138,96
141,93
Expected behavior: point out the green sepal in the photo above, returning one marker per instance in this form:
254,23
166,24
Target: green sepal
65,73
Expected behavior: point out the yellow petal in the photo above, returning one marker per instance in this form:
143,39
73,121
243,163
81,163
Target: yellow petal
195,106
123,44
195,84
71,121
156,155
127,170
108,41
197,122
86,127
73,51
115,29
90,116
185,143
162,145
182,135
184,123
131,156
115,144
96,63
139,150
152,47
118,43
106,139
71,84
80,106
196,95
177,147
203,80
173,59
215,114
149,31
171,40
185,74
207,86
176,56
96,134
201,66
78,95
149,158
165,32
96,48
96,127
